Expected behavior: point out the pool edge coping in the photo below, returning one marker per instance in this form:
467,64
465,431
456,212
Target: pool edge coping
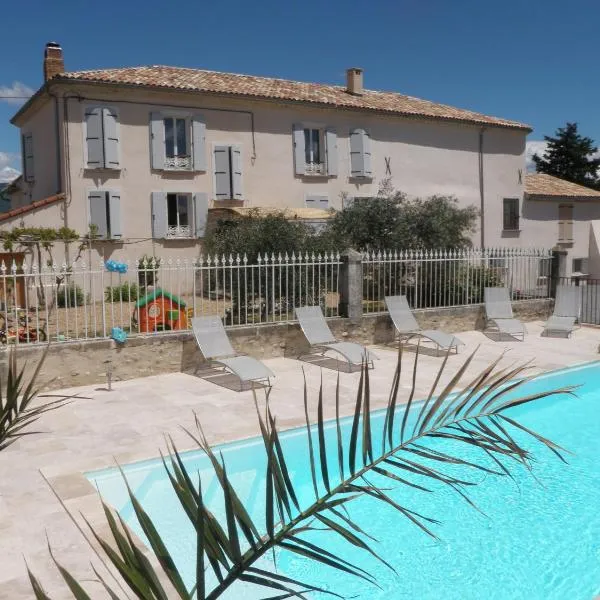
74,469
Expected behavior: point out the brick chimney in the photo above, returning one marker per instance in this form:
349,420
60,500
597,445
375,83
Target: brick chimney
53,60
354,81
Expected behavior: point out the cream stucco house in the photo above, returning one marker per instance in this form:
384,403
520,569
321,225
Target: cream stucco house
561,214
144,153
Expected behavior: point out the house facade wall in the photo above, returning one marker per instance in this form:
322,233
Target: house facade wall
540,226
19,198
421,157
51,215
424,157
42,126
594,250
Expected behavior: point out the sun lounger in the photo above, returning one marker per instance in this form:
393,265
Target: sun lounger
321,340
217,350
499,313
408,327
566,311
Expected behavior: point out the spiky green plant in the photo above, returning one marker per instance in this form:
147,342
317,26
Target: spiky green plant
474,416
17,395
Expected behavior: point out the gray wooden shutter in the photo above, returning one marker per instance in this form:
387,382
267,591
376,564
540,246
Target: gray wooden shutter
28,153
565,223
332,152
569,225
368,169
360,148
23,159
317,201
561,225
200,213
199,143
157,141
236,173
299,152
111,138
97,201
159,215
94,138
222,173
114,214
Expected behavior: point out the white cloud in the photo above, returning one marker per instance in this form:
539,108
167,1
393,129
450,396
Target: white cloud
8,174
538,147
7,159
533,147
16,93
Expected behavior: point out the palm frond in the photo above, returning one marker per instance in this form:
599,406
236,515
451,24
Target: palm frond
474,417
16,397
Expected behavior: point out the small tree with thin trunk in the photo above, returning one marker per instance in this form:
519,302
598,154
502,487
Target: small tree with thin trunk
39,243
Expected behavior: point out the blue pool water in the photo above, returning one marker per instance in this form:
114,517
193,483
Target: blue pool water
540,540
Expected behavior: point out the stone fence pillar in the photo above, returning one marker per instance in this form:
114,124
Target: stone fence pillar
558,269
351,285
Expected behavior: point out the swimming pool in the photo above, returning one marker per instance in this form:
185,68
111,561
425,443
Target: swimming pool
538,543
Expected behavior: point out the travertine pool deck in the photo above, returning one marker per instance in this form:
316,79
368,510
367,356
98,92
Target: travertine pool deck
42,487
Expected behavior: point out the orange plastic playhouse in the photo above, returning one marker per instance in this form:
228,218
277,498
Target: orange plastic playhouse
160,311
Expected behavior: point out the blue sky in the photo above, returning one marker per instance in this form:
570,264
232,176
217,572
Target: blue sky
531,60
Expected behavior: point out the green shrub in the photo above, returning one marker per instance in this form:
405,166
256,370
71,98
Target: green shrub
70,295
257,296
148,268
257,233
126,292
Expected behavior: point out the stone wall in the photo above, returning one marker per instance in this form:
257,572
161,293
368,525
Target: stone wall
82,363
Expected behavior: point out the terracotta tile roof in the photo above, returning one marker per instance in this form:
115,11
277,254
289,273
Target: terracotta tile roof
548,186
31,207
280,89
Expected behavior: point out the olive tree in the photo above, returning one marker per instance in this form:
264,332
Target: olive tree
392,221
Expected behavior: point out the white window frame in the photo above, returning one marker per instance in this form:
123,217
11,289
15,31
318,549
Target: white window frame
181,231
583,262
311,166
180,161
